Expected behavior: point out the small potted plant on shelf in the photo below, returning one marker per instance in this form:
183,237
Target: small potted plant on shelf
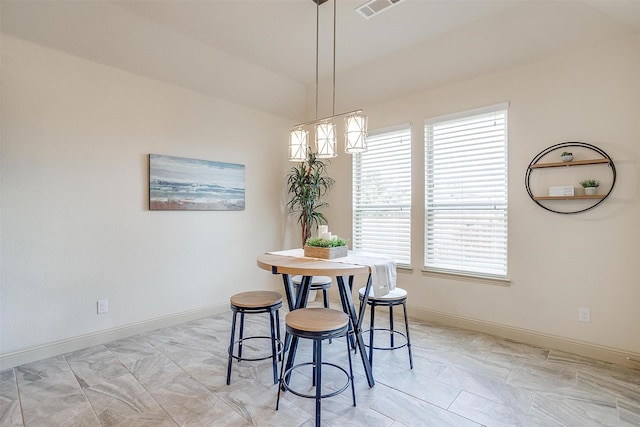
566,156
590,186
320,247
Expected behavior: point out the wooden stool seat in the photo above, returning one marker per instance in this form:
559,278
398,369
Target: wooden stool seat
318,283
396,294
256,299
316,320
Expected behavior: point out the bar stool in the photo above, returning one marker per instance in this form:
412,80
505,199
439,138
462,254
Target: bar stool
254,302
317,324
398,296
318,283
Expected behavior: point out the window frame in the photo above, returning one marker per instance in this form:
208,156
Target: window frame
404,208
467,272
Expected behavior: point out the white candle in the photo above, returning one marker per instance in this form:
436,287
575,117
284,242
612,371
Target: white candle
322,229
334,237
326,236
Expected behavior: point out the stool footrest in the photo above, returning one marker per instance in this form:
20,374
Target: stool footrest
286,386
402,334
254,359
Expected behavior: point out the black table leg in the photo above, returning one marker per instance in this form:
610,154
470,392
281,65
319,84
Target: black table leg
352,341
347,299
288,290
303,292
363,306
300,302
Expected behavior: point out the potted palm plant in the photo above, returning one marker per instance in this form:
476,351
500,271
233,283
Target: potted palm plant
307,184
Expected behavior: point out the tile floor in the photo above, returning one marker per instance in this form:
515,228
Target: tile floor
176,376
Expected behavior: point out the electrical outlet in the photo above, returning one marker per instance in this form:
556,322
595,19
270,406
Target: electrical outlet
584,314
103,306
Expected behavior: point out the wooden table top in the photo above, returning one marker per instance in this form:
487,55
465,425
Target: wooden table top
282,264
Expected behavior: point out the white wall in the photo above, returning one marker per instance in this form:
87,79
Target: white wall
557,263
75,226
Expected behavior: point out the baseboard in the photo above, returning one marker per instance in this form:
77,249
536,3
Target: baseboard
56,348
603,353
594,351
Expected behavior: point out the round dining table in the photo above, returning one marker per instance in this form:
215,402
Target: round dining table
288,266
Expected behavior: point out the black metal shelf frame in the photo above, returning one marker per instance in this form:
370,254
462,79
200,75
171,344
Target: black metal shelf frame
560,146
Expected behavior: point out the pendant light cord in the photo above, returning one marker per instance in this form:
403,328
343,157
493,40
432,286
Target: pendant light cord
333,95
317,50
333,107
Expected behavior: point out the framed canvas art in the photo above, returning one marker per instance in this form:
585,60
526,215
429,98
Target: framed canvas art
177,183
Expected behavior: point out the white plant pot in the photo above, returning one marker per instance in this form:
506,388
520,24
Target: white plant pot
590,191
568,158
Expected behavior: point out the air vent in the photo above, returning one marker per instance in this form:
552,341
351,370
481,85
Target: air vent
375,7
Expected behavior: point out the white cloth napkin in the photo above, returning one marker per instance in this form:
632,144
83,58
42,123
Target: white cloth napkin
298,253
383,269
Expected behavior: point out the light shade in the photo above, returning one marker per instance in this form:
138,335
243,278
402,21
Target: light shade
355,133
326,140
298,145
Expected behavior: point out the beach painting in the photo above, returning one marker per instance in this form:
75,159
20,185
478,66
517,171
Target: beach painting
181,184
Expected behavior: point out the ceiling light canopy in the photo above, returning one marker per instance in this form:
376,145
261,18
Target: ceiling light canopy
355,127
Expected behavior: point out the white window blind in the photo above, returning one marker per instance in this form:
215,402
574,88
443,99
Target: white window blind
382,195
466,193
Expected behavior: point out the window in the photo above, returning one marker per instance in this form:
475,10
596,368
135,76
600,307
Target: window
382,195
466,193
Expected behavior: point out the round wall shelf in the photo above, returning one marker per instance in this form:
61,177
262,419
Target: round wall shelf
593,156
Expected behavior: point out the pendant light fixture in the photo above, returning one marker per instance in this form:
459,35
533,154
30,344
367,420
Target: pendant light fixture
298,144
355,133
326,140
355,127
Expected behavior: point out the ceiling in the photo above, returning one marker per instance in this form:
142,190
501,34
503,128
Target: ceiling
262,53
